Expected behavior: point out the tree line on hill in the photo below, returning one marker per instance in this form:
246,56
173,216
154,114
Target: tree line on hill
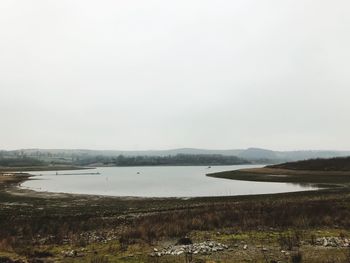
179,159
121,160
20,162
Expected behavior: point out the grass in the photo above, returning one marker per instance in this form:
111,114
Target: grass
332,164
256,240
279,221
317,178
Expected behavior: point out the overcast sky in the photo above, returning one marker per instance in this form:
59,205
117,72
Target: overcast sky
146,74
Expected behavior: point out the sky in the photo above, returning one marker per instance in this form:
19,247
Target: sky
158,74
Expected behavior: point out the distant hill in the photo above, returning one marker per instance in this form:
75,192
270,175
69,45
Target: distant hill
255,155
332,164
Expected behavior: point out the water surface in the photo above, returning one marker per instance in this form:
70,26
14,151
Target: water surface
159,181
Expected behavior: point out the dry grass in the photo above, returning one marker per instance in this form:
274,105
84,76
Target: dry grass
245,216
320,178
280,171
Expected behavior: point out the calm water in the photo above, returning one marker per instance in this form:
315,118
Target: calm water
165,181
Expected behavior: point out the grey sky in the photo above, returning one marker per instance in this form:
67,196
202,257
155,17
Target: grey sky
161,74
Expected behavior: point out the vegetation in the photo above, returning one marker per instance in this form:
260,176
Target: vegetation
333,164
20,162
320,172
38,159
179,159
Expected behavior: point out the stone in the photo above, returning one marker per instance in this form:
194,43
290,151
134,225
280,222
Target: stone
204,248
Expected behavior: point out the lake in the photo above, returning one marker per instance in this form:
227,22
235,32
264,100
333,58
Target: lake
159,181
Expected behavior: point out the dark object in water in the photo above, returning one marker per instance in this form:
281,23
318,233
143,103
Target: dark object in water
184,241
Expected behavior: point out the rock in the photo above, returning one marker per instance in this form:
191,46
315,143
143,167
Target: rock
69,253
325,242
245,247
332,242
204,248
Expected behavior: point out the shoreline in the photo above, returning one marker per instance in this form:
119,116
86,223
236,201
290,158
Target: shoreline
41,168
17,190
12,186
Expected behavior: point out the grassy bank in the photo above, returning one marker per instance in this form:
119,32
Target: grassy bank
266,174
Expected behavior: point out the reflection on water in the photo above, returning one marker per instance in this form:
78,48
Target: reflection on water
164,181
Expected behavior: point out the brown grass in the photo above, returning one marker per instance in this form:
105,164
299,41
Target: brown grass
279,171
244,216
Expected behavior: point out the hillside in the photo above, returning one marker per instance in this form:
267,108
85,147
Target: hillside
333,164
